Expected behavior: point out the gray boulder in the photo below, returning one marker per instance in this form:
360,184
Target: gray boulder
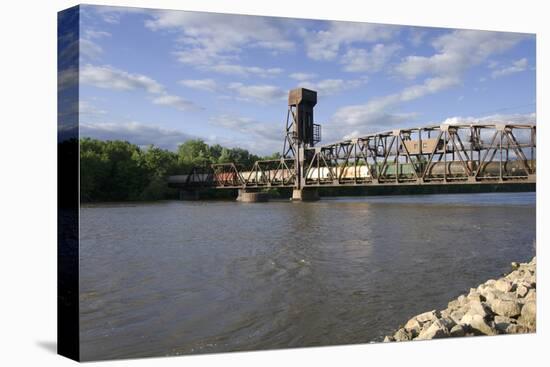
477,324
503,285
436,330
401,335
458,330
522,291
457,315
413,326
529,314
505,307
426,316
479,308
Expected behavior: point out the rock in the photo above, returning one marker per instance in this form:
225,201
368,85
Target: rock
504,307
478,308
503,285
529,315
522,291
401,335
413,326
426,316
436,330
457,330
502,323
453,305
448,322
457,315
475,296
531,281
515,329
503,319
531,296
477,324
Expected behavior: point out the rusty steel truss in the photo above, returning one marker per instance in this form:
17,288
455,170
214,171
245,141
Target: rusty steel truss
446,154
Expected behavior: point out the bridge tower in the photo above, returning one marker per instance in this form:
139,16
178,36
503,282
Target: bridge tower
301,135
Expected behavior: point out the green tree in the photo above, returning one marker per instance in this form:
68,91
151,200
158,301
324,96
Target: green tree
119,171
194,152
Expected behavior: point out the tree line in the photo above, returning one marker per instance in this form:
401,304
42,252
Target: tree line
117,170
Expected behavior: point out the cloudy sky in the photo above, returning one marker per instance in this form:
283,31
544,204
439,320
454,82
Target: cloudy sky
161,77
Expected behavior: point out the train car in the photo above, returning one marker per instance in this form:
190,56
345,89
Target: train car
326,174
490,169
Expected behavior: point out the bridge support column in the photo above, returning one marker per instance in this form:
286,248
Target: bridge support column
305,195
189,195
249,196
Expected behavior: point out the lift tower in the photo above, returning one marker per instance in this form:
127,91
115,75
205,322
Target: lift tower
301,136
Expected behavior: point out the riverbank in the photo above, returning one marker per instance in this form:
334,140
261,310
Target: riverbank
503,306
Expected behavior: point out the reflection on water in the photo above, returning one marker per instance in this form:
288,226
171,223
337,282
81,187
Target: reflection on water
194,277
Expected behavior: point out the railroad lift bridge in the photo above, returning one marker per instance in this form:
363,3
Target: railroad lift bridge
447,154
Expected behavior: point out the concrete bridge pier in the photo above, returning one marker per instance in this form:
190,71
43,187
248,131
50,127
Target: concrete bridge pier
252,196
305,195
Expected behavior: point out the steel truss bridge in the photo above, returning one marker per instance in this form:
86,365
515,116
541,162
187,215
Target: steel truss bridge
448,154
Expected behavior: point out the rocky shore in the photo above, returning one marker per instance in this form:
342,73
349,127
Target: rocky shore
503,306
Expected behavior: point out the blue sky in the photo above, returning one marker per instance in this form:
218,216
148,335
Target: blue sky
161,77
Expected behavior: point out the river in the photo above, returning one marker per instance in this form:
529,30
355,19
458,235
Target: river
178,277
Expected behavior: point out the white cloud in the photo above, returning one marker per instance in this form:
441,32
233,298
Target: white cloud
327,87
430,86
90,49
416,36
261,93
303,76
174,101
326,44
135,132
381,121
241,70
113,14
248,126
258,137
528,118
208,85
94,34
361,60
516,67
88,109
457,51
111,78
214,41
374,113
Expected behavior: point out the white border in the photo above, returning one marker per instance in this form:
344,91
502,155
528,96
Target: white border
28,180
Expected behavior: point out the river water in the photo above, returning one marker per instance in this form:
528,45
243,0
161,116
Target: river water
178,277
